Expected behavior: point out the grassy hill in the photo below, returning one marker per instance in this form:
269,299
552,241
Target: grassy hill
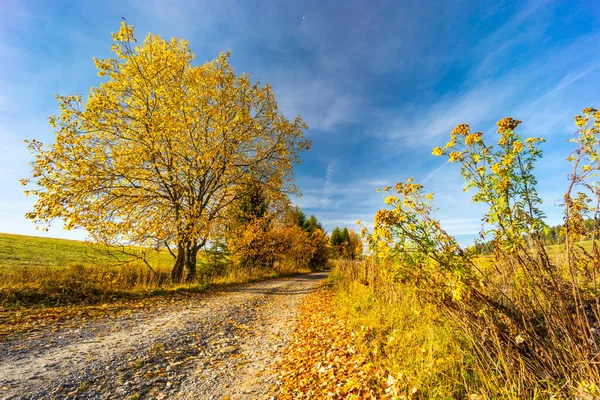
46,271
38,270
33,251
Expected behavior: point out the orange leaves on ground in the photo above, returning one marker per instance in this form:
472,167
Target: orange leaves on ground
324,361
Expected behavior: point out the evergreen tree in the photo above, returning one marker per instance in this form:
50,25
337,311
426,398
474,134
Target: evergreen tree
299,216
336,237
345,236
251,205
312,224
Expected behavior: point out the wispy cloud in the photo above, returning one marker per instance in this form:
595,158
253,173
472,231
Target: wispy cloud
434,172
327,187
568,81
320,102
482,102
418,126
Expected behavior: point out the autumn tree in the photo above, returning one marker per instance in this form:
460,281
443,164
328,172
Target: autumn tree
318,242
355,245
256,245
156,153
321,250
251,223
280,240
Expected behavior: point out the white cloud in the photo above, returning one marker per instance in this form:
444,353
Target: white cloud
481,103
319,101
416,126
327,187
434,172
568,80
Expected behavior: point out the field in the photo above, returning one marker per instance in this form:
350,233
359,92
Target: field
46,271
31,251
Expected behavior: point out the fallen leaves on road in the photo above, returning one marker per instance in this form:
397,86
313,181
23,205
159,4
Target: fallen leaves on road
324,360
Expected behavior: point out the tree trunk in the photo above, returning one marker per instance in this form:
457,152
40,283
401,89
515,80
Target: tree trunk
190,261
191,264
177,270
191,258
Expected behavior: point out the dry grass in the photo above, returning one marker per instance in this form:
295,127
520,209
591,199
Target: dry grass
426,348
407,336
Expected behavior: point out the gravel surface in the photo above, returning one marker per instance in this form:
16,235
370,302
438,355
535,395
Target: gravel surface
211,347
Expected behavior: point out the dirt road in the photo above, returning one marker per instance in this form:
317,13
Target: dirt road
221,346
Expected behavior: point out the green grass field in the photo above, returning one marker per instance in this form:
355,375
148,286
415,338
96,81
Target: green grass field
556,253
560,248
32,251
46,271
38,270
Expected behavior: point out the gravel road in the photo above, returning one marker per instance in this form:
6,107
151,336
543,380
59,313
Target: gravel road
225,345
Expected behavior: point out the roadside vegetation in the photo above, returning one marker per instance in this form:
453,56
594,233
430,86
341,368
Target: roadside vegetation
58,272
520,323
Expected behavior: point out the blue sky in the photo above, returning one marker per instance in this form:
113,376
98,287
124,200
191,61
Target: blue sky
379,83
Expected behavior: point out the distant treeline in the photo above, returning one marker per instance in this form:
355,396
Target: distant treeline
550,235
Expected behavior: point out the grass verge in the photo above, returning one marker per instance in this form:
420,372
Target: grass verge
17,320
408,338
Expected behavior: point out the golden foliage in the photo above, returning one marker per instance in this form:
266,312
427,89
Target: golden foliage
261,244
154,154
